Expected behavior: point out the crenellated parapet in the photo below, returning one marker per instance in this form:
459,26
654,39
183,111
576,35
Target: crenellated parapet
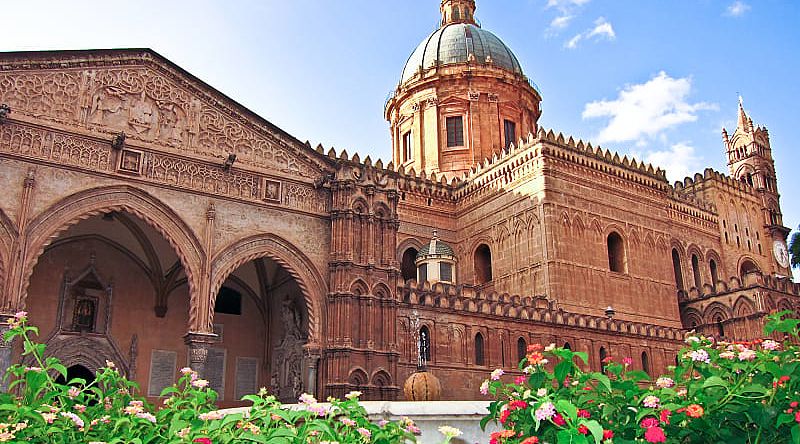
470,300
735,284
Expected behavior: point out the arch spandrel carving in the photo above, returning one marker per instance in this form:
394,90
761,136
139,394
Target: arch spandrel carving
308,278
54,220
152,101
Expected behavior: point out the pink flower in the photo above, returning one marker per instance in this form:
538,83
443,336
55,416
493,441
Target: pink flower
73,392
484,387
80,408
649,422
651,401
497,373
348,422
747,355
627,361
200,383
364,432
771,345
519,380
664,382
307,399
20,315
655,434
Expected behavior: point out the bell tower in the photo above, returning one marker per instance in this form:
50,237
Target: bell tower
458,11
750,161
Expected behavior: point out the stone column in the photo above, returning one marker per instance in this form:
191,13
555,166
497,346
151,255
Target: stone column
312,357
5,350
199,344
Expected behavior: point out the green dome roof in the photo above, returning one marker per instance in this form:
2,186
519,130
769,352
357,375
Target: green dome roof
439,248
453,43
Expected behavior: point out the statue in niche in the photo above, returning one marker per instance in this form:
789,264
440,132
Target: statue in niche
84,314
288,358
169,130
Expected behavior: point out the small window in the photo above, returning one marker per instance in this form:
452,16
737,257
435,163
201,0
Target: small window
229,301
479,349
407,267
603,356
522,349
616,253
645,363
423,272
676,268
483,264
408,147
510,131
455,131
696,271
445,272
425,344
712,264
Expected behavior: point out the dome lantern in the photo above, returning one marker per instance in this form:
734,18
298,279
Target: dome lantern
458,11
436,262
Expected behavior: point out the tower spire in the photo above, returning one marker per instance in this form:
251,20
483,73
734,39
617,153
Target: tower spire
458,11
743,119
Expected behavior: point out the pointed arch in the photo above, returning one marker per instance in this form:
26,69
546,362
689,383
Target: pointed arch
308,278
57,218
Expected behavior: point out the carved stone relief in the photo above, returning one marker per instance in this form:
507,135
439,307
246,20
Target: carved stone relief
287,362
149,106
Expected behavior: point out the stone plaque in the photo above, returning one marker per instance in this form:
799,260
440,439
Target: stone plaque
162,371
215,370
246,376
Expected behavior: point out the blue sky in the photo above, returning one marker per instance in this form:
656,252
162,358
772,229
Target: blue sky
658,79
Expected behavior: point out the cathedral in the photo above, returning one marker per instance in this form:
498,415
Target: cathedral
151,221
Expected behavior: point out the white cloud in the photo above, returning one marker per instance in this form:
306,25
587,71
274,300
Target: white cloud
564,4
679,160
646,109
737,8
566,12
602,30
561,22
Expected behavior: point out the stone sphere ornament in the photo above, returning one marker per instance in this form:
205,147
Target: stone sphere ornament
422,386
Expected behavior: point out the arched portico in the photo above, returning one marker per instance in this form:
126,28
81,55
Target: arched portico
44,228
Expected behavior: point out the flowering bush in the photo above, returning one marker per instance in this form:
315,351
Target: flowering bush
37,409
720,392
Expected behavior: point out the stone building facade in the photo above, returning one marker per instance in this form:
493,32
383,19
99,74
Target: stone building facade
150,220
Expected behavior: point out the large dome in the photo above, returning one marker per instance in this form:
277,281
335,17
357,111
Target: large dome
453,43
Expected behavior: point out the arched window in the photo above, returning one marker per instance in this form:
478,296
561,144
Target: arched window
747,267
645,363
483,264
616,253
696,271
479,349
407,268
603,356
567,346
712,264
425,343
457,13
676,267
522,349
720,327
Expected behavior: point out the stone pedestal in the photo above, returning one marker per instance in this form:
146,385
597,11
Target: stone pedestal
199,344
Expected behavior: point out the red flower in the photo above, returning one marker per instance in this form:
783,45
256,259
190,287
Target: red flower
504,416
608,359
797,416
584,413
203,440
519,380
664,416
558,420
583,430
530,440
655,434
608,434
518,404
649,422
535,358
793,404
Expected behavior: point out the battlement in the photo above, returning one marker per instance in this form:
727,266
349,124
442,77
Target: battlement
735,283
469,299
691,184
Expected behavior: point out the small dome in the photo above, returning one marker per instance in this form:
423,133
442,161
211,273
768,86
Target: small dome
453,43
435,247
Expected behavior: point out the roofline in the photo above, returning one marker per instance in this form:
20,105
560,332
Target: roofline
144,53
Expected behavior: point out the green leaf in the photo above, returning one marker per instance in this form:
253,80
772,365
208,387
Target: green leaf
562,371
564,437
796,434
565,406
596,429
714,381
60,368
604,381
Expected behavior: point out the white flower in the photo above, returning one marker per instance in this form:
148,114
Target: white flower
541,392
550,347
449,432
352,395
497,373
